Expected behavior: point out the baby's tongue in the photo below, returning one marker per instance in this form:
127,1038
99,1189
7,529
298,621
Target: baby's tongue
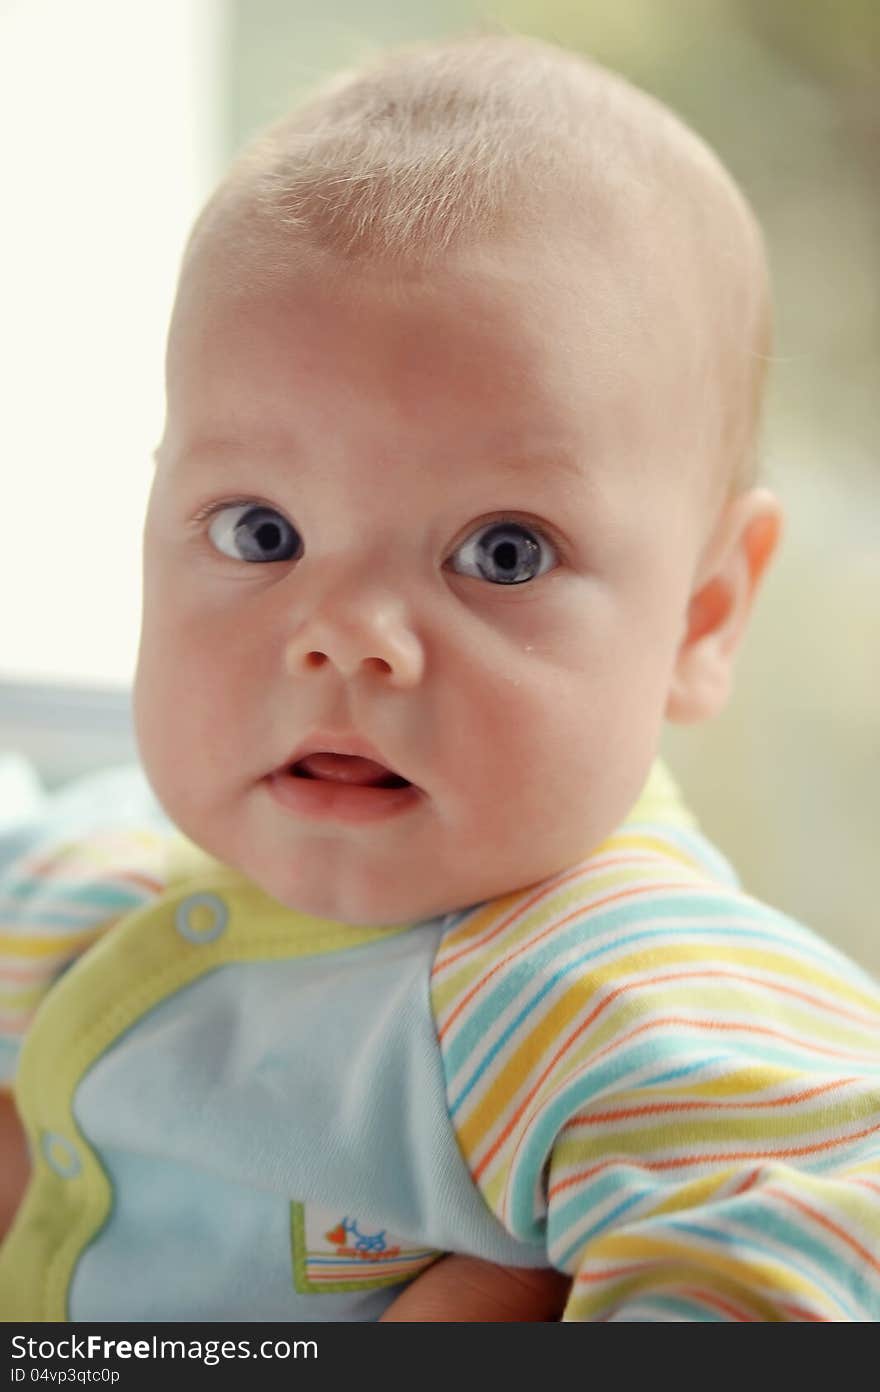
344,768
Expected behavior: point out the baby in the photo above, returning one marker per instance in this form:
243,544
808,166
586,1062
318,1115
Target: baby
455,506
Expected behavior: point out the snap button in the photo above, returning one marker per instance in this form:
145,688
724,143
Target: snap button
200,918
60,1155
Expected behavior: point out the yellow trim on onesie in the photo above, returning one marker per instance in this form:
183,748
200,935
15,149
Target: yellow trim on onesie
84,1013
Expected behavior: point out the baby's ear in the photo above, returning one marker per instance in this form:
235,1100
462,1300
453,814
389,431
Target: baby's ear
727,580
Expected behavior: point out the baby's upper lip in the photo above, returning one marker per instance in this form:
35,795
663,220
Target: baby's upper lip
328,742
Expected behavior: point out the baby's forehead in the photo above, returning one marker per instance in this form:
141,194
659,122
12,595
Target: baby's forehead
558,155
507,414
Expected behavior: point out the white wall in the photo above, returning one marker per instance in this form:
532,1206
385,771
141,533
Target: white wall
109,140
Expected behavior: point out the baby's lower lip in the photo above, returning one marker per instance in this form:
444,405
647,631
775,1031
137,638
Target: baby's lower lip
322,800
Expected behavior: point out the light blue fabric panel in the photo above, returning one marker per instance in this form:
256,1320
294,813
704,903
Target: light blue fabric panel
203,1251
315,1080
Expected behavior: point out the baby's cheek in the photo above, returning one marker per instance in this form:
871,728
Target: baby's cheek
524,749
180,712
566,755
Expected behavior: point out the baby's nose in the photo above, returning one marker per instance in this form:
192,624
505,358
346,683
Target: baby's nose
375,638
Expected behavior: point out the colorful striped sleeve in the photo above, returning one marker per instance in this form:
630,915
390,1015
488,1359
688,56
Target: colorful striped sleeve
672,1086
54,903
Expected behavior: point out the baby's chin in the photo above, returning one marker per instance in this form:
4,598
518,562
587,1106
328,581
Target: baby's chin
366,900
359,906
358,890
368,884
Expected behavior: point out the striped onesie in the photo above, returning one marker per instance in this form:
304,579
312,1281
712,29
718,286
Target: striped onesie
633,1072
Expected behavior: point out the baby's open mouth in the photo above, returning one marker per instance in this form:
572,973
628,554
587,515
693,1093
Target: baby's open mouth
347,768
323,785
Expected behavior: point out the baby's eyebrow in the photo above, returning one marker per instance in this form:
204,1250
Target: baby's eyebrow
210,456
560,461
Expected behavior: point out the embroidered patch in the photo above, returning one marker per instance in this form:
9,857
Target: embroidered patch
333,1251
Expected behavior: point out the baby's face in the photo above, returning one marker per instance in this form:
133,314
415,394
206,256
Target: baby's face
450,530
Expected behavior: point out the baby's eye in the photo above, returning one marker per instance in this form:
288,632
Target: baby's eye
252,532
505,553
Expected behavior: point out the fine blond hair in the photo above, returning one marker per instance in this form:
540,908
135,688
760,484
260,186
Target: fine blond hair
432,146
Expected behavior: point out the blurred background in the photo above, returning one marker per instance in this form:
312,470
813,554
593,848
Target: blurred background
118,116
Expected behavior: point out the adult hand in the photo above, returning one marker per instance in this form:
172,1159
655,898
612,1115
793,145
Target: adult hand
460,1289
